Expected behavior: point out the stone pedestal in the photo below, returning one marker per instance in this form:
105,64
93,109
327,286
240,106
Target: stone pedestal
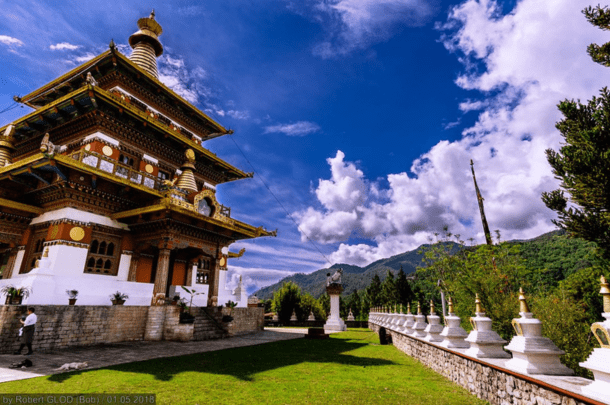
484,342
453,334
334,321
533,353
434,327
420,324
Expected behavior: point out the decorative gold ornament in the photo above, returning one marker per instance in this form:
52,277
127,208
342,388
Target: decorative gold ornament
223,261
88,147
418,308
107,150
77,233
517,327
54,232
605,292
522,302
477,304
149,169
190,155
432,308
450,301
601,334
408,308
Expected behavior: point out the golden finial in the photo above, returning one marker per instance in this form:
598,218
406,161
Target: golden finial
477,304
450,305
46,252
605,292
395,308
432,308
418,308
408,308
401,311
152,14
190,155
522,302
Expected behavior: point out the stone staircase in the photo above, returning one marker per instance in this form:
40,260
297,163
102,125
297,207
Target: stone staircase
206,328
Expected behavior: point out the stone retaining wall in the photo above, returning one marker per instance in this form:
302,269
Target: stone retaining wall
62,326
490,381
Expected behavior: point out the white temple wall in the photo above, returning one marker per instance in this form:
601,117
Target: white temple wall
67,260
18,262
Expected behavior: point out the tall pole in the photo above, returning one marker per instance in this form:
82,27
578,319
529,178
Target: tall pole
480,199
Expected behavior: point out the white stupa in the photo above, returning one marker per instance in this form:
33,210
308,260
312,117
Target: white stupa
409,321
434,328
311,316
533,353
453,334
484,342
350,317
420,324
599,360
293,318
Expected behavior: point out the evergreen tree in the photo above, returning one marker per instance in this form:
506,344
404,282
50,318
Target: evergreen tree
403,289
286,300
389,294
582,163
373,292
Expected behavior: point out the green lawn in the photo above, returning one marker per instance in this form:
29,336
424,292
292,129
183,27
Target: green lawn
348,368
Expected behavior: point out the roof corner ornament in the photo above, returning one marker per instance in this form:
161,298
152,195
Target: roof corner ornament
91,80
112,45
46,146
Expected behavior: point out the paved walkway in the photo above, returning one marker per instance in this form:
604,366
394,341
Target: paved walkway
46,363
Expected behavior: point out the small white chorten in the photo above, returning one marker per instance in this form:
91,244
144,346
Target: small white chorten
409,322
311,317
293,318
420,324
599,360
350,317
484,342
434,327
453,335
533,353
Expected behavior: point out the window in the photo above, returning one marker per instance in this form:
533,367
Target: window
203,271
102,258
36,248
163,175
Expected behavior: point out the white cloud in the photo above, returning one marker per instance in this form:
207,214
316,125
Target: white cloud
300,128
531,58
356,24
10,41
254,278
85,58
63,46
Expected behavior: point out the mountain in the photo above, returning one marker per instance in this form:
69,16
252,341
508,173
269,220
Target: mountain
354,277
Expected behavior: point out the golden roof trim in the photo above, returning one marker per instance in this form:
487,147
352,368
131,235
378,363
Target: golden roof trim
21,207
77,70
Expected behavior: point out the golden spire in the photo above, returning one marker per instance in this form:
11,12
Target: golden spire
432,308
401,311
450,305
186,181
408,308
418,308
522,302
146,45
605,292
477,304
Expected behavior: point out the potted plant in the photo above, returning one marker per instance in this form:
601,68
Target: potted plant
14,295
187,317
175,300
118,298
72,294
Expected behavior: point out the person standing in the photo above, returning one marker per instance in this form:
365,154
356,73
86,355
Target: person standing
29,326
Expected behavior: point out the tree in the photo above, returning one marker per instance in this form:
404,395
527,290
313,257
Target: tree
286,300
581,164
403,289
373,292
388,290
310,304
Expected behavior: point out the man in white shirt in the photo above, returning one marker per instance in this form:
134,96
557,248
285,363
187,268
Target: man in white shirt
29,326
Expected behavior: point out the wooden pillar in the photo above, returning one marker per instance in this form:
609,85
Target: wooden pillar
162,272
10,264
189,273
133,266
213,283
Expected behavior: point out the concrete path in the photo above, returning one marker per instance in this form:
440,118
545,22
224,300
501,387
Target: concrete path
45,363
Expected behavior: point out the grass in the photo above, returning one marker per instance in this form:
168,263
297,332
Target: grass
348,368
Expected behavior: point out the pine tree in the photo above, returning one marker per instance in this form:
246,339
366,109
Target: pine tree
388,290
583,163
373,292
403,289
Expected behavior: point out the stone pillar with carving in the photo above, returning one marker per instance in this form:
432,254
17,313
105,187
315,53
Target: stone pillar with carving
162,272
334,321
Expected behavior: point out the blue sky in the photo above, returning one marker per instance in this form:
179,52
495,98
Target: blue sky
361,116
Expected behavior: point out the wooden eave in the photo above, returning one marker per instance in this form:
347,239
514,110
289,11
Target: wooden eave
94,94
29,209
115,57
246,230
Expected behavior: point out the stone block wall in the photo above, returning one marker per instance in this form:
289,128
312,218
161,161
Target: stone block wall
62,326
497,385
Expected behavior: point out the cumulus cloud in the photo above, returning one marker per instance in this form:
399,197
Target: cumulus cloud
356,24
522,64
254,278
300,128
10,41
63,46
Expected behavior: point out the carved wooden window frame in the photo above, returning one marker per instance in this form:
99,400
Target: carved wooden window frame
103,255
204,266
35,249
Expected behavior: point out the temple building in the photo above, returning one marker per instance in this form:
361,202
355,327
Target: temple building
106,187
